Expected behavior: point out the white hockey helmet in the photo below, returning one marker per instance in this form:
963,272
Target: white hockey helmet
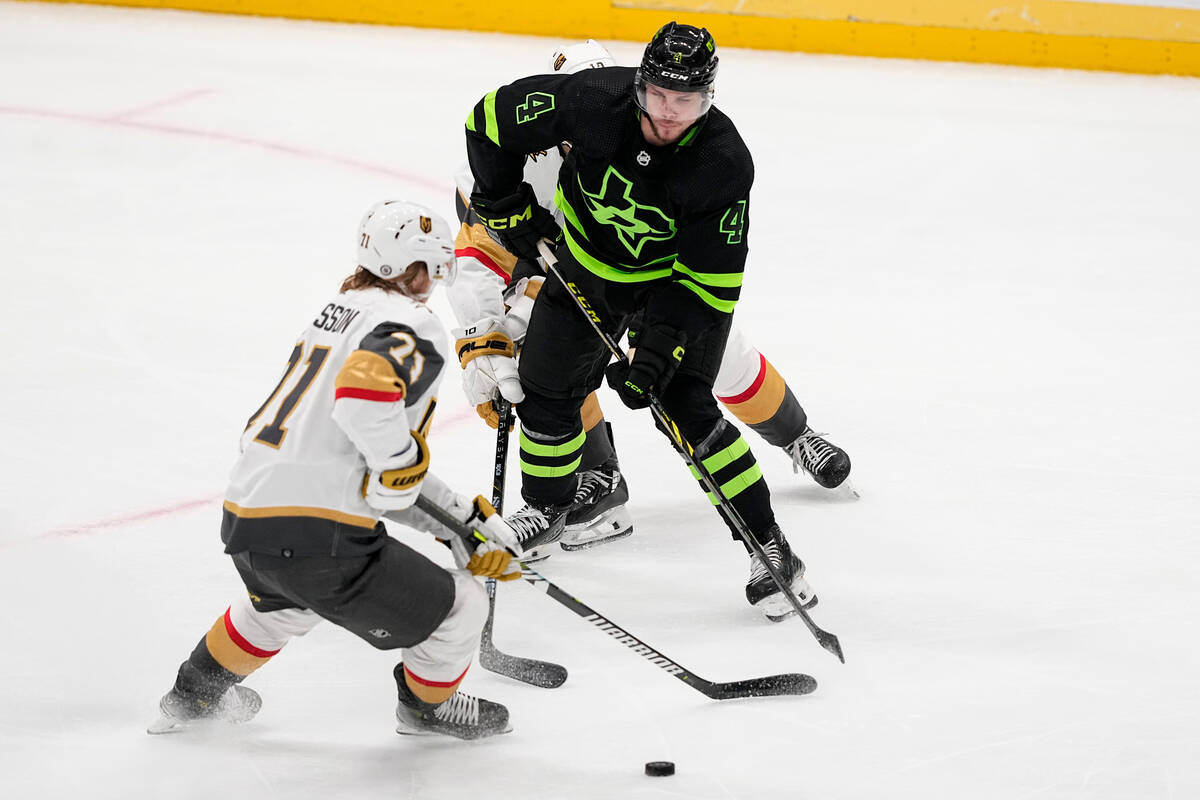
573,58
394,234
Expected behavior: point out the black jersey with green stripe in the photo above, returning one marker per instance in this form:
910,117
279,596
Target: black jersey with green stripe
634,212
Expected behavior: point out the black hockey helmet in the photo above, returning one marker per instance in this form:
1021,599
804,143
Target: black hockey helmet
681,58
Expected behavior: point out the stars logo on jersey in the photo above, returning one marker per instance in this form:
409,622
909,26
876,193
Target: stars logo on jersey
635,224
643,158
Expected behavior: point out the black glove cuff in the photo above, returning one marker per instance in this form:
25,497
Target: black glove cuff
659,342
503,208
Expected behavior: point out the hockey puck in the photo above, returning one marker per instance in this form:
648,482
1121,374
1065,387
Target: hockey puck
660,769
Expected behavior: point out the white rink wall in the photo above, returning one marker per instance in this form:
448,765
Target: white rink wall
981,281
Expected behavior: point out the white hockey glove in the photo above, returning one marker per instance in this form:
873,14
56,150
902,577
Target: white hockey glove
396,485
486,352
493,558
519,297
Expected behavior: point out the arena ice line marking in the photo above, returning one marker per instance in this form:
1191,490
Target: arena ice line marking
229,138
158,104
121,120
452,420
126,519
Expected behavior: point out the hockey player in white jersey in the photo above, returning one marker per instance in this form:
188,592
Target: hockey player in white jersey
339,444
493,298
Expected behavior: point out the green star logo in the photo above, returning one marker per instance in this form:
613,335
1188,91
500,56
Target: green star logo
636,224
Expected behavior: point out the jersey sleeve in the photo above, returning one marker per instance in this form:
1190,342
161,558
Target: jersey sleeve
706,277
393,365
485,268
526,116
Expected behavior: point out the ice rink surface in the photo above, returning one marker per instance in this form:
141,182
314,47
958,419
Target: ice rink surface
981,281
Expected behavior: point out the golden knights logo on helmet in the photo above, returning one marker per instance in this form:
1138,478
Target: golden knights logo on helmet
426,224
558,62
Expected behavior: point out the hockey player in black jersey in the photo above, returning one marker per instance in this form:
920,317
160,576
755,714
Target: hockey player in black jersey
655,193
492,298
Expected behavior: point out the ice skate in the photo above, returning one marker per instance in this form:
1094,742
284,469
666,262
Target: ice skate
461,716
598,513
825,462
179,712
537,527
761,590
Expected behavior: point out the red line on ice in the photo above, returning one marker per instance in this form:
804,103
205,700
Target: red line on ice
85,528
278,147
136,516
157,104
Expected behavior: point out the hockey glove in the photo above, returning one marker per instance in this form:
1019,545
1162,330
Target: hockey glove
493,558
396,487
519,298
518,221
649,367
486,352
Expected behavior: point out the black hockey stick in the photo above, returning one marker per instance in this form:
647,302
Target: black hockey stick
771,685
724,507
527,670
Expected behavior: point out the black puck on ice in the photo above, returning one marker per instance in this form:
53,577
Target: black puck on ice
660,768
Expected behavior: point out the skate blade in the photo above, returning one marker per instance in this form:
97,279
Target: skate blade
164,725
584,545
537,554
846,491
777,610
404,730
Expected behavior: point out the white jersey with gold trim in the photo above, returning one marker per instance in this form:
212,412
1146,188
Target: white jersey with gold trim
361,375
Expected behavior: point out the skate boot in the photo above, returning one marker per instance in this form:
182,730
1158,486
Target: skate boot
761,590
537,527
461,716
598,513
180,711
827,463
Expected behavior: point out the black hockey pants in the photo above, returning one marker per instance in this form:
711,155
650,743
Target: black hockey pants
563,360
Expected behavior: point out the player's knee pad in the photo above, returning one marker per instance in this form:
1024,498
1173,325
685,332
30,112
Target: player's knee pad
268,630
550,416
448,651
690,402
243,638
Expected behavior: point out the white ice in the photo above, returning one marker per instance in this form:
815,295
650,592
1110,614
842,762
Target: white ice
981,281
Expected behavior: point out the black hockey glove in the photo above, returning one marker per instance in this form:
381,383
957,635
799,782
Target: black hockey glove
517,220
657,355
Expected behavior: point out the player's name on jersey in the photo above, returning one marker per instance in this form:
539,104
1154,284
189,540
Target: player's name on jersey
335,318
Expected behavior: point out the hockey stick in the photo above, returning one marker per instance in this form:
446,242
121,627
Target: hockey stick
527,670
724,507
790,683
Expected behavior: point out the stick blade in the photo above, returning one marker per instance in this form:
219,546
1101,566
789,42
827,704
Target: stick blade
831,643
792,683
543,674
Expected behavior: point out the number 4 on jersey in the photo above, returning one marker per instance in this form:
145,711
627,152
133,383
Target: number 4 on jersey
734,222
536,104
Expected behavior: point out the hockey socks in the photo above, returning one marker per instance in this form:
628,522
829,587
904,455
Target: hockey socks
727,457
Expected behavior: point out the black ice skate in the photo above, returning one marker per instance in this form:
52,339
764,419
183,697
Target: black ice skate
537,527
179,711
761,590
827,463
461,716
598,513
